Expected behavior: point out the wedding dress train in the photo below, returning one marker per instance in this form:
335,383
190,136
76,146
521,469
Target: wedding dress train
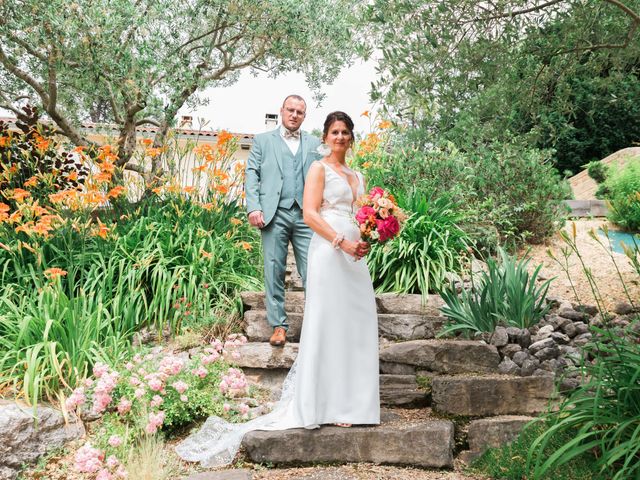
335,376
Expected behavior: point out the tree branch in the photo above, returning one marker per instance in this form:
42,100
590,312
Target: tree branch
149,121
535,8
635,16
24,76
30,50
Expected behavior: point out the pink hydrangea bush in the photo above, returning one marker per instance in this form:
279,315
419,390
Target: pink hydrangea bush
155,391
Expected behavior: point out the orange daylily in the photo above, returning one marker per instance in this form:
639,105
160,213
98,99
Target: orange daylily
102,231
206,254
146,141
235,221
153,152
365,114
102,177
5,141
246,245
19,194
189,189
224,137
116,191
383,125
31,182
201,168
54,272
208,206
223,189
73,176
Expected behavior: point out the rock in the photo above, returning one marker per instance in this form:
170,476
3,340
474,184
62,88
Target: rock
444,356
590,310
293,301
240,474
582,340
493,433
510,350
520,357
397,368
547,353
490,395
623,308
424,444
263,355
401,391
22,441
409,304
569,329
560,338
569,312
405,326
540,345
529,366
553,301
257,329
540,373
521,336
500,337
581,328
508,367
543,333
551,365
568,384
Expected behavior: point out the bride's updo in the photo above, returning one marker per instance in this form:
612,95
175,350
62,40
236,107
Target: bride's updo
337,117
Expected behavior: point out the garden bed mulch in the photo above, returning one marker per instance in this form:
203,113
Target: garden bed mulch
596,258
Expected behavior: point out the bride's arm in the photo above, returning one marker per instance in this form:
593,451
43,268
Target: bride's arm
312,200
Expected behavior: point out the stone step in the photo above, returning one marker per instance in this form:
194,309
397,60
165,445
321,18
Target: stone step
492,432
490,395
440,356
395,390
386,302
392,326
426,443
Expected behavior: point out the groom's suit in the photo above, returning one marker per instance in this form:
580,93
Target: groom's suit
274,184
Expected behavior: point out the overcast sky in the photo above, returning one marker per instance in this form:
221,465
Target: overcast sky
241,108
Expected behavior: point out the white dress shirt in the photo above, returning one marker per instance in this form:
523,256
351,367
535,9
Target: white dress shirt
292,143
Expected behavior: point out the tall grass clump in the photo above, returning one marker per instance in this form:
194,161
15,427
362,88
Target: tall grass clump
506,294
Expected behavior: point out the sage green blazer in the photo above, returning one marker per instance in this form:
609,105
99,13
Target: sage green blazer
263,173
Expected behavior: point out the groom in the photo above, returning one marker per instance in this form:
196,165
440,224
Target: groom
275,173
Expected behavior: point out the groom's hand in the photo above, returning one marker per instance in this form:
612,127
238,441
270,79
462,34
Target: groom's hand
256,219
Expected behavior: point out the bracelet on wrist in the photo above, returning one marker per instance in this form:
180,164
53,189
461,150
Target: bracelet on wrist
337,241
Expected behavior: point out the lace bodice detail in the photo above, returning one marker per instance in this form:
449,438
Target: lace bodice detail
337,196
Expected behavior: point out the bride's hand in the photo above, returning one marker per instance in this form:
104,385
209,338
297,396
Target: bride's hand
356,249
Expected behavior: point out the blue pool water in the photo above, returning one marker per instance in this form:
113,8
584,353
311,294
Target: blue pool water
617,237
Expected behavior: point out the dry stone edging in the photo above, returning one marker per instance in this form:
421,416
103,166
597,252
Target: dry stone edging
23,441
392,326
424,444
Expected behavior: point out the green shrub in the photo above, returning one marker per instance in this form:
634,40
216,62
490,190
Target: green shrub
623,186
506,294
429,245
597,171
602,415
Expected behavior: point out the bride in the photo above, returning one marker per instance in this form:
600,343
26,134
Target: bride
334,379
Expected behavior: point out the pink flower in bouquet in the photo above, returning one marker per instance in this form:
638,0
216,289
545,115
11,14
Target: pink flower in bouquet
388,228
376,192
364,214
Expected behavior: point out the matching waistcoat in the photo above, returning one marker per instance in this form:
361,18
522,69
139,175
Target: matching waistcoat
292,181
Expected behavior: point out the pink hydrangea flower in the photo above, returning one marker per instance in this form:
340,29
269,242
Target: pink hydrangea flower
156,401
200,372
155,384
88,459
155,421
124,405
75,399
243,408
112,462
115,441
171,365
104,474
100,369
180,386
139,393
184,398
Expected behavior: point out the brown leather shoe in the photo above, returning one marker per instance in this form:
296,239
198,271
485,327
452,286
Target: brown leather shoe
279,337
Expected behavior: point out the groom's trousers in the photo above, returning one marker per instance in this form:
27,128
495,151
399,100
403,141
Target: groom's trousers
286,226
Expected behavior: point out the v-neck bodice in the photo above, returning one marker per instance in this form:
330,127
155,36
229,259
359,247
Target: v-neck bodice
338,194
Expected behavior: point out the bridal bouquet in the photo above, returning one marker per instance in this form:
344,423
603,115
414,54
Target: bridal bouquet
379,216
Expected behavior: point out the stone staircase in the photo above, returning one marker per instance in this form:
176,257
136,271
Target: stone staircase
452,385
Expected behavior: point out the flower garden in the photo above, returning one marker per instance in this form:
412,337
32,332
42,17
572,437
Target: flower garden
123,255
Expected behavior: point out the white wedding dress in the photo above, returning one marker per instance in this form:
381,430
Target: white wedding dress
335,376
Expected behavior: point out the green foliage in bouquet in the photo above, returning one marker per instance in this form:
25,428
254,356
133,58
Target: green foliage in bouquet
430,244
623,192
506,294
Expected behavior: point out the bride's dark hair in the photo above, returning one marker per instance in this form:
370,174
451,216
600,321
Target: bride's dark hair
337,117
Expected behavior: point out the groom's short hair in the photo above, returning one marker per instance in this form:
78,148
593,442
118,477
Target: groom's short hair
295,97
